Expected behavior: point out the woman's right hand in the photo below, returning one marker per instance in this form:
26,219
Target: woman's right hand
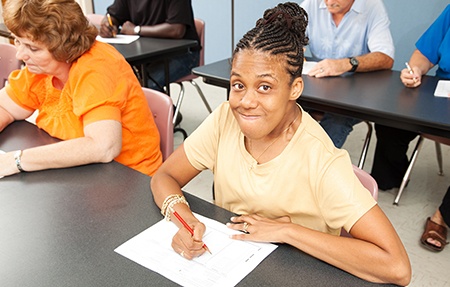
187,245
411,80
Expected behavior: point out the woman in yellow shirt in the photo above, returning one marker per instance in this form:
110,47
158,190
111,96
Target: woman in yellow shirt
276,167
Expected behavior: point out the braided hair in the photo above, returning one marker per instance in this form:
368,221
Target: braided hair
280,31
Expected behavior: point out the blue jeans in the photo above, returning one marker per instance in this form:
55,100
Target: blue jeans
179,67
338,127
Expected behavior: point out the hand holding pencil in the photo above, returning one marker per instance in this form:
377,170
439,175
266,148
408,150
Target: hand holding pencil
111,25
409,78
181,220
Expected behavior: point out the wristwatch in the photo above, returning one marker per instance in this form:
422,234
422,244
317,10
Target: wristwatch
354,62
137,30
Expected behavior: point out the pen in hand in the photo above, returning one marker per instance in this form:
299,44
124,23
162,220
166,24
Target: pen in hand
111,25
189,228
410,71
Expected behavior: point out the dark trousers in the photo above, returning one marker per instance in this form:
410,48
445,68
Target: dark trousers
444,208
390,160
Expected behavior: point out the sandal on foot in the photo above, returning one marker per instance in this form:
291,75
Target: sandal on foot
436,232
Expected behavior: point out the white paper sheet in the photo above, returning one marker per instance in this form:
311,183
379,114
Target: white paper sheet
119,39
442,89
230,261
307,65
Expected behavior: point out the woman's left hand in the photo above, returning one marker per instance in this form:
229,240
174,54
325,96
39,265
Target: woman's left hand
259,228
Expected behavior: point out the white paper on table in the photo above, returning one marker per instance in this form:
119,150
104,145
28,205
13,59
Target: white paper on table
119,39
442,89
230,261
307,65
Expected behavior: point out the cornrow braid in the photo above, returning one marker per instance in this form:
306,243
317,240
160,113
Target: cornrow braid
280,31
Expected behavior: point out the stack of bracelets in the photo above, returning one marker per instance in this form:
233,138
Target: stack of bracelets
169,202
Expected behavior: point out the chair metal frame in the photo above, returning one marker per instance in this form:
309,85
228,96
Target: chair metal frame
365,149
413,160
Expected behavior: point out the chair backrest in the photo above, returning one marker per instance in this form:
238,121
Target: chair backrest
8,62
95,19
438,139
200,27
369,183
161,106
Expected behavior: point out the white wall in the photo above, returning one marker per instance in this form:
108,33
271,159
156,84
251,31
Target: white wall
409,19
86,5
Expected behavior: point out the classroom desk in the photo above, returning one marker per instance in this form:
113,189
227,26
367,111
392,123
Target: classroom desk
145,50
60,228
376,96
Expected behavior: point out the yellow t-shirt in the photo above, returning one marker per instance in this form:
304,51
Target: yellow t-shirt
101,86
311,181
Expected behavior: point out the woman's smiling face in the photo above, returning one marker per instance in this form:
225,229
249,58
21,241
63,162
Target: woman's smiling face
261,92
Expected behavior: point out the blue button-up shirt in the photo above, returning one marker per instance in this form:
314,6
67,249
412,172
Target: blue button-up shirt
364,29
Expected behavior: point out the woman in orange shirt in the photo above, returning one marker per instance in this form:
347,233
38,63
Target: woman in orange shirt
86,93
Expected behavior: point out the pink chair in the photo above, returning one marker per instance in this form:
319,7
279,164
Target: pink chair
200,27
8,62
369,183
162,109
95,19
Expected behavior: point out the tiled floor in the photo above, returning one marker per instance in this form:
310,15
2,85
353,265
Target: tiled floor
422,196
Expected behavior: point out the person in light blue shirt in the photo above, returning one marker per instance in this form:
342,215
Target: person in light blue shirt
347,36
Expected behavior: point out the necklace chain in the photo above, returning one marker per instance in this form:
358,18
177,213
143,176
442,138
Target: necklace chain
277,138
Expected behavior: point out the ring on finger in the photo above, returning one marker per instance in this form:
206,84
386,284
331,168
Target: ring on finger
245,227
182,253
321,70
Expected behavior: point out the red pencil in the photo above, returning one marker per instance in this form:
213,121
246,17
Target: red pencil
189,228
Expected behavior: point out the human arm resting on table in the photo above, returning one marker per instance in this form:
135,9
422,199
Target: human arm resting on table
175,173
102,142
10,111
374,245
163,30
369,62
342,203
